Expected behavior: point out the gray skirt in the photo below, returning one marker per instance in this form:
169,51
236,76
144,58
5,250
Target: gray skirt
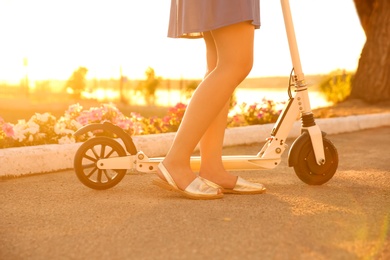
189,18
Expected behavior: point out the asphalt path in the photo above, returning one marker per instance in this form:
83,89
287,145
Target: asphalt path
53,216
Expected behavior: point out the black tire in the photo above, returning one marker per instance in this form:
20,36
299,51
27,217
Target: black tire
307,168
85,163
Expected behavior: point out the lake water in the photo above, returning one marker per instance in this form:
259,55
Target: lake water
247,95
169,98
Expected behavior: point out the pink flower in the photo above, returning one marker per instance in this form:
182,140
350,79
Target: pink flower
82,119
236,118
125,123
8,129
75,108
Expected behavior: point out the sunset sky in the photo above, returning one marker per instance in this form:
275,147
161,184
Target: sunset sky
58,36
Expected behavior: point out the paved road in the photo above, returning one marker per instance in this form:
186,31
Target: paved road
53,216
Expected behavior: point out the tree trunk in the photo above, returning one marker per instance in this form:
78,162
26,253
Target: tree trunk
364,9
372,79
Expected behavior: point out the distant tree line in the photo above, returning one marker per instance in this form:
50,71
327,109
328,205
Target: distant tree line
77,84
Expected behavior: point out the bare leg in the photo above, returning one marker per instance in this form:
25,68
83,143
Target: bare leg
234,45
211,146
211,143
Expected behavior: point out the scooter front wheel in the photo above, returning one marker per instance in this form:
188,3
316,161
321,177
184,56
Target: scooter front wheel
85,163
307,168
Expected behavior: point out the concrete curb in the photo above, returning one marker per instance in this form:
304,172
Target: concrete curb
49,158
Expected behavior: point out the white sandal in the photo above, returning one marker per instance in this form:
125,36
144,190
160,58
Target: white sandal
197,189
242,187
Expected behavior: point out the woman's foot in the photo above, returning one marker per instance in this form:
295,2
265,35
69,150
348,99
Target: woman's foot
230,184
242,186
196,189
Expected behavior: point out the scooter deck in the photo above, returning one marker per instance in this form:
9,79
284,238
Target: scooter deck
236,162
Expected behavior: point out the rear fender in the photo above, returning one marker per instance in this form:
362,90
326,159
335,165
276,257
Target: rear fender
108,127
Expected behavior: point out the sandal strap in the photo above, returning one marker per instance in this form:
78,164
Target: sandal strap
199,187
166,174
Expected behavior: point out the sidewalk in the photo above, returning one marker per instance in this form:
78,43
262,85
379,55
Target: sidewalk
49,158
53,216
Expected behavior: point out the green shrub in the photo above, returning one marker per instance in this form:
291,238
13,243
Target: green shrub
337,86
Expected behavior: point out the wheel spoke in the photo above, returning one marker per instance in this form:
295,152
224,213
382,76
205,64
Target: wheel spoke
87,166
86,156
102,151
91,172
110,153
99,177
94,152
107,175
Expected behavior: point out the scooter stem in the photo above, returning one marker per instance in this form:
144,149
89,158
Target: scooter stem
292,41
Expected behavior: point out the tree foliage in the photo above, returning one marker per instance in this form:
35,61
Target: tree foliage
76,84
149,86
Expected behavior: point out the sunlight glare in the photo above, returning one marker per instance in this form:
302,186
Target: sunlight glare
58,36
102,95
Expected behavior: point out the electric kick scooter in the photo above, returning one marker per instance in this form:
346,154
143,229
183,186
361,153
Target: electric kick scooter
101,162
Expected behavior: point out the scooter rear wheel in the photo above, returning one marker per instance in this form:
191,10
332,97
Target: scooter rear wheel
85,163
307,168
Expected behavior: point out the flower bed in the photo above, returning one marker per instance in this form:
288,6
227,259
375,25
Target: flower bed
47,129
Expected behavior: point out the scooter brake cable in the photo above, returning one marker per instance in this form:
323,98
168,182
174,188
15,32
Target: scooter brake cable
289,84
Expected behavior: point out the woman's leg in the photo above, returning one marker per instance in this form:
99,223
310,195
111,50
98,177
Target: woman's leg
211,143
211,146
234,45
